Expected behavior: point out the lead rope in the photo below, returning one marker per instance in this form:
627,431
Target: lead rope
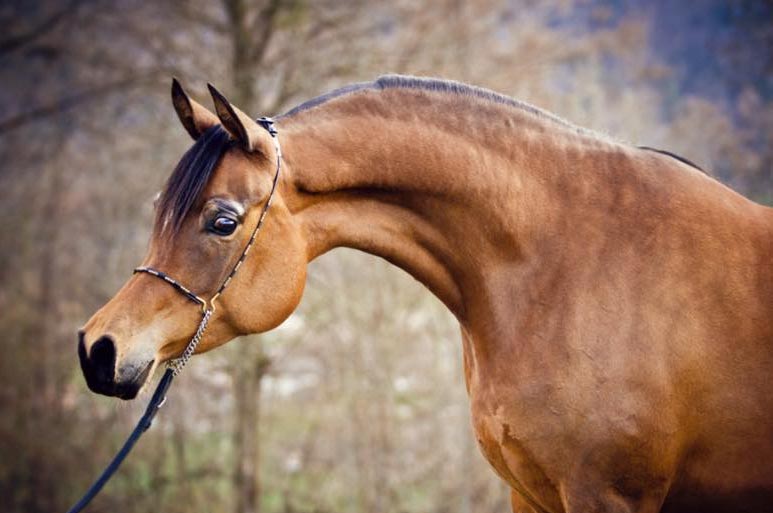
174,367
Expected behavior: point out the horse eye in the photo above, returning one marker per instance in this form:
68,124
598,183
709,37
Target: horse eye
223,225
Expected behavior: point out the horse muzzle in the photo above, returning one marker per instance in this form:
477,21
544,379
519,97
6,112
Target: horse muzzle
104,376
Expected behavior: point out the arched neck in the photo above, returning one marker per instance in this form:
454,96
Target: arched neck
412,191
471,197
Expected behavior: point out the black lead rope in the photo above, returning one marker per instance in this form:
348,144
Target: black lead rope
175,366
145,421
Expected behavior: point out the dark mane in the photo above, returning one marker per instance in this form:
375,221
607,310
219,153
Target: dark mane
194,170
675,156
189,178
462,89
458,88
436,85
324,98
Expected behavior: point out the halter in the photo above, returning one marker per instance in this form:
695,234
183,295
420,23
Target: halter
176,365
208,307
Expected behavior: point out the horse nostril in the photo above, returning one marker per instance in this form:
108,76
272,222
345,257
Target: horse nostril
83,355
102,359
82,345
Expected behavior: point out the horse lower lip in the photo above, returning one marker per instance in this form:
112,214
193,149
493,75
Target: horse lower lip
107,389
129,389
127,393
142,377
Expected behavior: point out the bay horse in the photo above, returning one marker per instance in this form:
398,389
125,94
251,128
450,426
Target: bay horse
615,302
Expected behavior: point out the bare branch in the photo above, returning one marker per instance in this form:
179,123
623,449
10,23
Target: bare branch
68,102
197,16
19,40
264,27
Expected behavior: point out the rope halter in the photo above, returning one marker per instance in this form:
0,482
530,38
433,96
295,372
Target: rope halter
208,306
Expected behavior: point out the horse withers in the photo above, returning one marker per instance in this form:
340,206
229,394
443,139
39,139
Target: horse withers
615,303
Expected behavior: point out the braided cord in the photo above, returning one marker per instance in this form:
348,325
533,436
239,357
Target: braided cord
268,124
185,291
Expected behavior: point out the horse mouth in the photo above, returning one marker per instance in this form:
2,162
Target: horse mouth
127,388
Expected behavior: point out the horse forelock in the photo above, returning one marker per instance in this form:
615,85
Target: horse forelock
189,178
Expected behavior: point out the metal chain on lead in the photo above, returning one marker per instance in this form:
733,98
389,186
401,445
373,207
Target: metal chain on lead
178,363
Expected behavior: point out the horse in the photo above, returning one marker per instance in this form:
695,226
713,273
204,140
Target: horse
614,302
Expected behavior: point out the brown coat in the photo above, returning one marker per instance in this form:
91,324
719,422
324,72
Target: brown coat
615,304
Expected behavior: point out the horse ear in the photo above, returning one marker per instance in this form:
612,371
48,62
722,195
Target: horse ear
243,128
195,118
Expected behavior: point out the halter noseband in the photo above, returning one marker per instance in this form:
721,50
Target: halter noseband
208,307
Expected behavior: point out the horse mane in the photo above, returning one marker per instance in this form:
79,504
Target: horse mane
197,165
435,85
470,91
674,156
464,90
190,177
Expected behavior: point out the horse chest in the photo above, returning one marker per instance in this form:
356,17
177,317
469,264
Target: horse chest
516,452
510,427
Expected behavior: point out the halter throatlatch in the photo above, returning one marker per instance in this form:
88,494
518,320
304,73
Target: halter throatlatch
175,366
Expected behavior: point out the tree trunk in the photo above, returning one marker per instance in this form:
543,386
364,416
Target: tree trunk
250,31
249,368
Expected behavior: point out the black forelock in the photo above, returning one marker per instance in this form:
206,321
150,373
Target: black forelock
189,178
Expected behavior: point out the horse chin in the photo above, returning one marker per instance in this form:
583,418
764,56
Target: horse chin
126,393
129,389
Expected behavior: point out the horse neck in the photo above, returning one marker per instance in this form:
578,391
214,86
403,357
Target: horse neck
425,185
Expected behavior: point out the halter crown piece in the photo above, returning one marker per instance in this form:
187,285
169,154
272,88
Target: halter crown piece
175,366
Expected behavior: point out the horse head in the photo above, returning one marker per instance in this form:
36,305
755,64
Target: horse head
205,217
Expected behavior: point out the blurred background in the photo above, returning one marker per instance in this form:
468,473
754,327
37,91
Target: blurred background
357,403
